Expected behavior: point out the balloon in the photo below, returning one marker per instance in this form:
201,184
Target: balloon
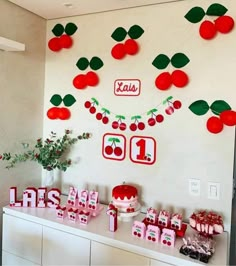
214,125
54,44
118,51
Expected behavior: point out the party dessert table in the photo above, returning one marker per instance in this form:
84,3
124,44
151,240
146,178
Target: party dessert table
35,236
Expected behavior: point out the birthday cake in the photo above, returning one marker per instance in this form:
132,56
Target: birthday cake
125,198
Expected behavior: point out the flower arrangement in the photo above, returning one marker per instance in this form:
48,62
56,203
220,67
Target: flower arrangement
48,153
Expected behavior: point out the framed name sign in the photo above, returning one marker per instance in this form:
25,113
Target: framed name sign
127,87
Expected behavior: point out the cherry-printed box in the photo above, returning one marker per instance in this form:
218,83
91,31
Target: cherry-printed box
138,229
153,233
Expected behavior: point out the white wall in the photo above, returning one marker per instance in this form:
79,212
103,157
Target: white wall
21,87
185,149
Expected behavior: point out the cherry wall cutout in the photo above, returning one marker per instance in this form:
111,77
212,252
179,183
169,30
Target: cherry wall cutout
223,115
91,79
62,37
178,77
209,28
128,47
137,122
61,113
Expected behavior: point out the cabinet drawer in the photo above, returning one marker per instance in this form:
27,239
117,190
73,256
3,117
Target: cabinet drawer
106,255
61,248
22,238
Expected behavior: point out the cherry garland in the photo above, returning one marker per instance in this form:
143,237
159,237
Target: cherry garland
154,117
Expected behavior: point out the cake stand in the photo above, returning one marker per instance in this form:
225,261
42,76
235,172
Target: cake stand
127,216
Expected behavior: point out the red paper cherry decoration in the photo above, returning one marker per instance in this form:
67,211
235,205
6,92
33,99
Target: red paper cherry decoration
207,30
92,79
118,51
52,113
179,78
163,81
131,47
80,81
214,125
224,24
65,41
228,117
54,44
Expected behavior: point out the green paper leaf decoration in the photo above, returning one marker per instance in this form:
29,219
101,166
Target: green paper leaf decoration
179,60
169,98
56,99
119,34
195,14
152,111
216,10
82,63
135,32
58,30
199,107
94,100
69,100
70,28
120,117
106,111
219,106
161,61
96,63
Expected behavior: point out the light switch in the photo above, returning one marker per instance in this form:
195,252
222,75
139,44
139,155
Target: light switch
213,190
194,187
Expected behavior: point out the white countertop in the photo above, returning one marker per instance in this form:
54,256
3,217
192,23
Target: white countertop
98,230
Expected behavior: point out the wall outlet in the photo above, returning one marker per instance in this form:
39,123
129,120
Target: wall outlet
213,190
194,187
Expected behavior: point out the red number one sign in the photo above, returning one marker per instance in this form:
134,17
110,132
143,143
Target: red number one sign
143,150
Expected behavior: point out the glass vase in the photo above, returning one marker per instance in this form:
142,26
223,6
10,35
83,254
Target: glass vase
48,179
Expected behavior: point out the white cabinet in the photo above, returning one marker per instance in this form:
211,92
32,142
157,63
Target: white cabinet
9,259
35,236
22,238
61,248
158,263
106,255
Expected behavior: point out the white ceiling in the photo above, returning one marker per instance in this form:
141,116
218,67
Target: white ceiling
51,9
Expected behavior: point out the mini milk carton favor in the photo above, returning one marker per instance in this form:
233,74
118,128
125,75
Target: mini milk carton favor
176,221
61,212
151,216
73,214
93,200
84,217
72,196
83,198
153,233
168,237
112,211
164,218
138,229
